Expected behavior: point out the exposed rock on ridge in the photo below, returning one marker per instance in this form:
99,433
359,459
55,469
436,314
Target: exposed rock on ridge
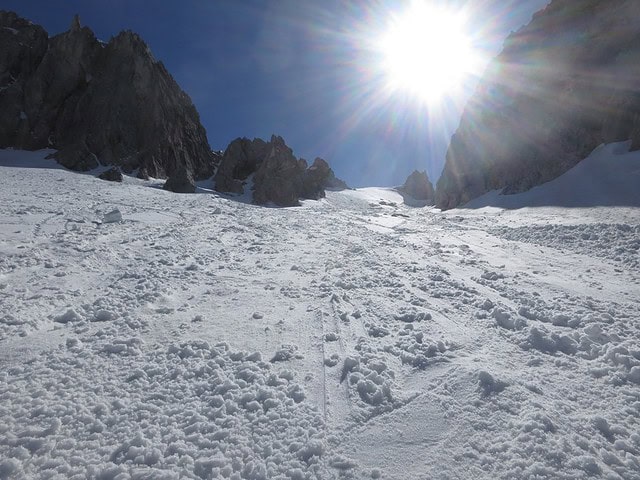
419,187
562,85
241,159
279,177
110,103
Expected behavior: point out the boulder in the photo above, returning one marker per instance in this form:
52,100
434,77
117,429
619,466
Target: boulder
93,101
561,86
418,186
181,181
112,175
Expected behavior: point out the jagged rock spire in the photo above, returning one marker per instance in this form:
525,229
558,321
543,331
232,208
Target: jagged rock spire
75,23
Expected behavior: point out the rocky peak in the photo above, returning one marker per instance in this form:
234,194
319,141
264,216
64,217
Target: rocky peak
241,159
279,177
418,187
22,46
130,44
113,104
75,23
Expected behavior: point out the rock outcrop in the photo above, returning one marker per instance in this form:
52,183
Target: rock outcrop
278,176
111,175
419,187
110,103
241,159
562,85
319,177
181,181
278,179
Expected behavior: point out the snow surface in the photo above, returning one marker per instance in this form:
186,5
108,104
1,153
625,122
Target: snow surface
352,337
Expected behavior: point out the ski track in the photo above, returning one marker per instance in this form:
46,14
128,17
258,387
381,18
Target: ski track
353,337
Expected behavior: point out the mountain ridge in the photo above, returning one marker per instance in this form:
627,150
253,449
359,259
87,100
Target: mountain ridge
113,103
110,103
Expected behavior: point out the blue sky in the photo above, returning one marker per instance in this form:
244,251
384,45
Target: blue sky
296,68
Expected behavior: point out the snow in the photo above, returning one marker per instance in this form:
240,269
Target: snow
608,177
354,337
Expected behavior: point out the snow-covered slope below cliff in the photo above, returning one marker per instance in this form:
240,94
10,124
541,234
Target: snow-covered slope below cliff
353,337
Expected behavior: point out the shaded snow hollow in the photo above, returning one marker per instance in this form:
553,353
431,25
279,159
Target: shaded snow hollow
353,337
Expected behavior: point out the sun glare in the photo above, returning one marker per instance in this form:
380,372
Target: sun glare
426,52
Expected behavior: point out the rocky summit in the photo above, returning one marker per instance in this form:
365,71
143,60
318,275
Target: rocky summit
279,177
97,103
562,85
419,187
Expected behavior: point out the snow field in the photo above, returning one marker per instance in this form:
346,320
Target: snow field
353,337
106,406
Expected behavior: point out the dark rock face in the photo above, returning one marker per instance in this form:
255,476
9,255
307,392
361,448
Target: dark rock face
562,85
418,186
315,178
142,174
79,158
112,103
241,159
318,177
112,175
279,177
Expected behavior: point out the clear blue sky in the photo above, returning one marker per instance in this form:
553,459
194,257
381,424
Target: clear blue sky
291,67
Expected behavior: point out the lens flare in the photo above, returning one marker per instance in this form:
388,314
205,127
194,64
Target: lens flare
426,51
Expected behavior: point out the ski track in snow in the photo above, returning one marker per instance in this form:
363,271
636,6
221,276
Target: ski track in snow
353,337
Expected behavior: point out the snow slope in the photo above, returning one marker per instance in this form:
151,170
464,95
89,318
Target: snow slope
353,337
610,176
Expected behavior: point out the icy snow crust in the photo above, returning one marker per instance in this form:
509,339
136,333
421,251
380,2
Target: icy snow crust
353,337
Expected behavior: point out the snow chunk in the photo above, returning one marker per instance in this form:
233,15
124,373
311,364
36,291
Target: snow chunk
331,337
114,216
412,316
488,384
70,316
287,352
104,316
540,339
342,463
504,319
9,467
586,463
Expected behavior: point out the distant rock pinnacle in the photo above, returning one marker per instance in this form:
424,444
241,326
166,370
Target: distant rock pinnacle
75,23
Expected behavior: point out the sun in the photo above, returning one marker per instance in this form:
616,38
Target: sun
426,52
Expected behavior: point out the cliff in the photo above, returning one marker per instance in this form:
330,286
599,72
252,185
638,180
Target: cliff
109,103
564,84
